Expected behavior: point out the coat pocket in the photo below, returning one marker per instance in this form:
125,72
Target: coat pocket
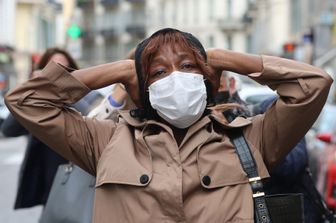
124,161
219,165
117,170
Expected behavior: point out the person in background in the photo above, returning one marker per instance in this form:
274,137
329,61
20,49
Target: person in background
228,93
290,174
40,163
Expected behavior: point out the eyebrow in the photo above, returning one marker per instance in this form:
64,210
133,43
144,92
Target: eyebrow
181,55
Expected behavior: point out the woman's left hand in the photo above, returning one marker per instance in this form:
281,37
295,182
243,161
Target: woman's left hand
131,84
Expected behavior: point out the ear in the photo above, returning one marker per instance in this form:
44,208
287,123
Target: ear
232,85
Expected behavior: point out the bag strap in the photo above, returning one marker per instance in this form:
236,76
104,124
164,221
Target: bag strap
316,197
248,163
67,169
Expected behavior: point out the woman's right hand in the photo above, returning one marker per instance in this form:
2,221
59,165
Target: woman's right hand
122,71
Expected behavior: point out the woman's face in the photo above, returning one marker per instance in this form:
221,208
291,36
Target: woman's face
169,59
60,58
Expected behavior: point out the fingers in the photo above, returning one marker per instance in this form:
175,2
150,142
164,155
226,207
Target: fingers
133,92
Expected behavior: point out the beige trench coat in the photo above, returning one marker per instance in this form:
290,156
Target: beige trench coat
143,175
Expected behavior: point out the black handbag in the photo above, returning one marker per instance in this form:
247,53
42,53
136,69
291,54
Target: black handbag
71,196
268,209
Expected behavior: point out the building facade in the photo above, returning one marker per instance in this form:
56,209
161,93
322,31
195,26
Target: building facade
216,23
307,24
110,28
28,27
7,21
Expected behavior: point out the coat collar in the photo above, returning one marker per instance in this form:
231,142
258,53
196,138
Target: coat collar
206,122
236,123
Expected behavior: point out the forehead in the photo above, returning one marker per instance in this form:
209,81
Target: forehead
176,50
59,58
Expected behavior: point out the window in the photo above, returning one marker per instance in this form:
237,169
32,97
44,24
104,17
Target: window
229,42
249,43
295,16
229,9
196,11
185,14
174,12
211,10
163,12
211,41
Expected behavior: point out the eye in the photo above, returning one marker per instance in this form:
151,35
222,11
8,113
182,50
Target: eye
187,66
158,73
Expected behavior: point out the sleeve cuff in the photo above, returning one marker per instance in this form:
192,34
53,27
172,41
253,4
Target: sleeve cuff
69,86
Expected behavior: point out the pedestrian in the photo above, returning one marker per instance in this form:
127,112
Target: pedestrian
40,163
170,160
228,93
290,174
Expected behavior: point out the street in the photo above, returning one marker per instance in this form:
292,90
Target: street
11,155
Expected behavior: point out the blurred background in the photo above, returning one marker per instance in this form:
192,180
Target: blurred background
99,31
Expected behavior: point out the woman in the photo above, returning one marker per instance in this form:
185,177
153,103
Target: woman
171,160
40,162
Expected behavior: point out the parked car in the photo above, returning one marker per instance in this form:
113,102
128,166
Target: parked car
254,94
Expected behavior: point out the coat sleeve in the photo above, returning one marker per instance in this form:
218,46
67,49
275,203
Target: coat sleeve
41,105
302,90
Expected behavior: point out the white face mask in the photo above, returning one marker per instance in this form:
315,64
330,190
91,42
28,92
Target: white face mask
179,98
